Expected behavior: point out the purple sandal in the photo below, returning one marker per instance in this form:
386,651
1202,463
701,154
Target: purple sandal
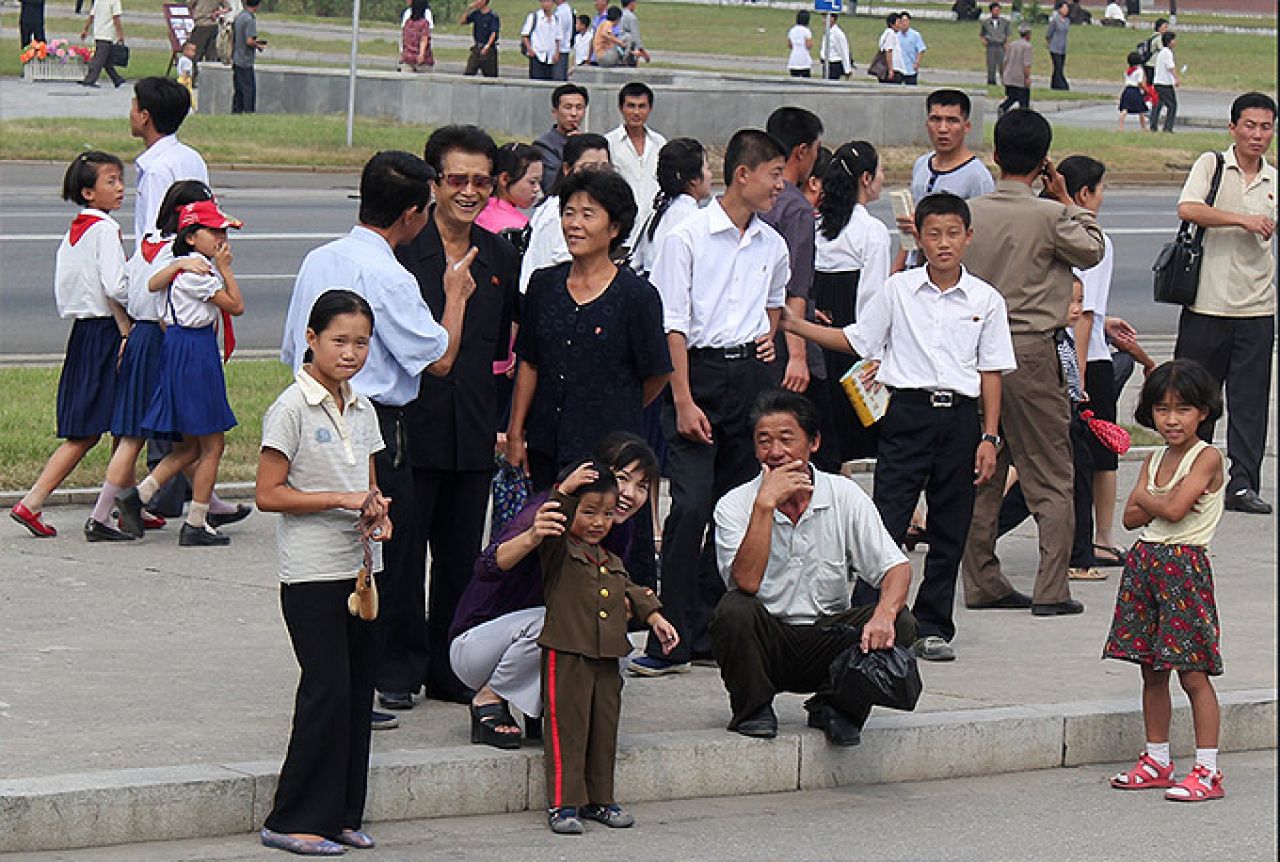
301,846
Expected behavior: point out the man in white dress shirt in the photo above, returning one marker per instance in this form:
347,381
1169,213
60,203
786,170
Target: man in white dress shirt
159,107
564,18
634,147
722,274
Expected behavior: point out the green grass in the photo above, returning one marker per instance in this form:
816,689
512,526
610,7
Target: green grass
27,424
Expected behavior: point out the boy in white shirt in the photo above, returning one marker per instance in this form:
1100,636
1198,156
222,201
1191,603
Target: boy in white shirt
939,339
1166,83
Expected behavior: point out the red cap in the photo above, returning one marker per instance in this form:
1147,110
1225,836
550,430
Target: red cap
205,214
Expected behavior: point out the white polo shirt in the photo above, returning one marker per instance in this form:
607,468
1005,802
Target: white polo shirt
812,562
716,282
89,269
544,34
327,450
926,338
104,13
1165,68
159,166
188,303
640,171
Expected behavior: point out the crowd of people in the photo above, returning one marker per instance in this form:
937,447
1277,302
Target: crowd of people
597,350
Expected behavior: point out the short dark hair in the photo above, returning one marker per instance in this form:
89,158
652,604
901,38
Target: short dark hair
605,482
1160,22
634,90
1189,380
1081,172
253,4
584,20
165,100
329,305
802,17
794,127
180,194
569,90
750,148
621,448
949,98
472,140
574,149
991,7
904,14
606,187
1252,101
82,174
392,182
778,400
1167,37
891,18
613,14
1022,140
942,204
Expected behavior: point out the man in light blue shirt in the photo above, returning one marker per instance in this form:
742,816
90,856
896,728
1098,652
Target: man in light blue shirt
911,44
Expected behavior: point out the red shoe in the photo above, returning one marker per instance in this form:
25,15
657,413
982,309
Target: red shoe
1200,785
32,521
1147,774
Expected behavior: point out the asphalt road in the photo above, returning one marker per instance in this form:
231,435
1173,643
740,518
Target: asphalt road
1067,815
288,214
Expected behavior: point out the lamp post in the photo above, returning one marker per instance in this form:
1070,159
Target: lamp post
351,73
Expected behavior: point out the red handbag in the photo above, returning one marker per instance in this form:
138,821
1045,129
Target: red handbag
1109,434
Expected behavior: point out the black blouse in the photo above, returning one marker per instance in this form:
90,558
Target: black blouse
591,360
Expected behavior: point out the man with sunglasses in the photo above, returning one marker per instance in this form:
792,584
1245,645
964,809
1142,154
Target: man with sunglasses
449,426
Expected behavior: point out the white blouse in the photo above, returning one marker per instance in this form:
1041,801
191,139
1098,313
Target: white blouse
864,245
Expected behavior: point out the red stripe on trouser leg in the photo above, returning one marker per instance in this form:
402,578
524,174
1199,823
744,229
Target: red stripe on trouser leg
553,714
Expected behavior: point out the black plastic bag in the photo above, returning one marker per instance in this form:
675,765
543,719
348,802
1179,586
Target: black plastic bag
882,677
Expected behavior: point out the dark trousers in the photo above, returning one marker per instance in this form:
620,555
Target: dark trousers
397,623
101,62
1168,103
244,97
910,80
800,73
1237,352
1014,510
929,449
448,518
560,68
725,390
205,38
581,701
31,25
485,64
835,70
995,61
1020,96
759,655
540,71
1059,79
323,780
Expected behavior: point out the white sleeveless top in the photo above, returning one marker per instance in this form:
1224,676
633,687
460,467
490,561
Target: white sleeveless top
1197,526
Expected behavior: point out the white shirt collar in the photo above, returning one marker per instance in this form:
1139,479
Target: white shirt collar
721,222
960,285
314,393
155,151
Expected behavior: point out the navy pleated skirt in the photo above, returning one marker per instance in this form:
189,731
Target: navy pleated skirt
87,386
191,397
138,380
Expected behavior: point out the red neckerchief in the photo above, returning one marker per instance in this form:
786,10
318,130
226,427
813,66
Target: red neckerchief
82,223
150,249
228,337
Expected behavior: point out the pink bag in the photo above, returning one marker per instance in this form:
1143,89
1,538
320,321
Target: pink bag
1109,434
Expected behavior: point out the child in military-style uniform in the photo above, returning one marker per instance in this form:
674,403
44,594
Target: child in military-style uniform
589,598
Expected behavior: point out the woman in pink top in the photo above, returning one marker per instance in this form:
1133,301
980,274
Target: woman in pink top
518,188
415,38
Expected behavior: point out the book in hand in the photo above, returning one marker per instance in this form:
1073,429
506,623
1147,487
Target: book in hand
870,403
904,207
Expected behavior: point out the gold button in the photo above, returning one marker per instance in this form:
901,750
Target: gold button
604,570
604,615
604,591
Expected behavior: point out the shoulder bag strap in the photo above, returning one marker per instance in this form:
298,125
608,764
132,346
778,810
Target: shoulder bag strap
1198,237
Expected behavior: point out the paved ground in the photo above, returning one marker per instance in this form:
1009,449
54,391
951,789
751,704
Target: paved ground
1068,815
149,655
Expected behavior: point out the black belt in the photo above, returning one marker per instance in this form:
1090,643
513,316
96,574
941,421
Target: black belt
739,351
935,398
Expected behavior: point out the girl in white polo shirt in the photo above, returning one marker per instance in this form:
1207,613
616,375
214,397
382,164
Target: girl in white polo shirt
89,284
316,468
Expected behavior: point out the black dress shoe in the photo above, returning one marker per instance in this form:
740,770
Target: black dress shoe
96,531
1058,609
762,724
1014,601
1248,501
242,511
395,699
838,727
201,537
130,506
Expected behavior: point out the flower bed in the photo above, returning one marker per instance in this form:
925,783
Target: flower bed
57,60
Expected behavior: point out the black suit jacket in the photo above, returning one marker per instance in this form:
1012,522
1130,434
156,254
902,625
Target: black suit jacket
452,422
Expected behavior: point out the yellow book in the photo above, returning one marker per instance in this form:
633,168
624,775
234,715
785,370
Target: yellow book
869,404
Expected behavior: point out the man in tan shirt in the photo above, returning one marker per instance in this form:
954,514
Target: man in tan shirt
1025,246
1230,328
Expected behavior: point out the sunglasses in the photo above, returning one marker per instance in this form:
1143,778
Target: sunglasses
481,182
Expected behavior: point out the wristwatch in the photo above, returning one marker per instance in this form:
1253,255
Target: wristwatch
993,439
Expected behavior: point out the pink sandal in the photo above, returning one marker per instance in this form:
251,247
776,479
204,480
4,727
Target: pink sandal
1200,785
1147,774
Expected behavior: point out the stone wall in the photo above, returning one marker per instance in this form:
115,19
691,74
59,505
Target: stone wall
707,107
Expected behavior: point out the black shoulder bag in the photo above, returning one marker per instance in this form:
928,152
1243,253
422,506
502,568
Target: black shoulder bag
1177,267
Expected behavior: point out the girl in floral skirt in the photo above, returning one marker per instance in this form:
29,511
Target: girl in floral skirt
1166,618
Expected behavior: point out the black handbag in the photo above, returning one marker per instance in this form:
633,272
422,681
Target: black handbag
883,677
1177,267
119,55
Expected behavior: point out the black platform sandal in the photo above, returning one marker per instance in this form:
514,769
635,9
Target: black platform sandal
485,721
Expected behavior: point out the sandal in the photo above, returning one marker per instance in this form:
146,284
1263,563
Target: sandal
1147,774
1116,559
1200,785
1086,574
485,721
916,535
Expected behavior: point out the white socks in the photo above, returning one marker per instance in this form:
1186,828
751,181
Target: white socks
1208,758
197,514
147,489
1159,752
106,498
